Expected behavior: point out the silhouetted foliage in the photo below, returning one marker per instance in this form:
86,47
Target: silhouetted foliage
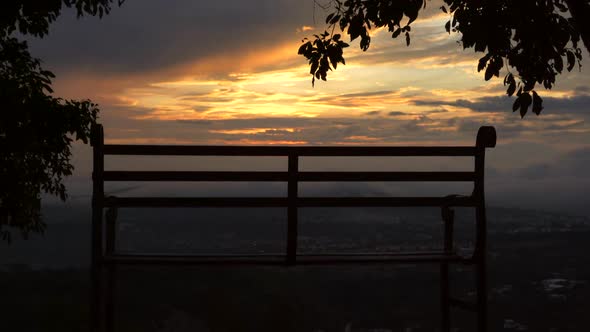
533,40
36,128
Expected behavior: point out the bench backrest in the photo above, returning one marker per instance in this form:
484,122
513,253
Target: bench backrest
486,138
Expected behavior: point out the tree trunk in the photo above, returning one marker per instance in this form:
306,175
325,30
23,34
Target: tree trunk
580,10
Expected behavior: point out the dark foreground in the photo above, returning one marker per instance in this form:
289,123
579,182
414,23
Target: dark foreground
539,275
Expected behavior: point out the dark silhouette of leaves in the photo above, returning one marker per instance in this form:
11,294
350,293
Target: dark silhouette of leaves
36,128
537,103
529,38
525,102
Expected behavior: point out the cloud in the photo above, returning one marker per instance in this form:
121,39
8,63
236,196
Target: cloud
483,104
397,113
317,131
356,99
366,94
438,110
576,104
151,40
150,35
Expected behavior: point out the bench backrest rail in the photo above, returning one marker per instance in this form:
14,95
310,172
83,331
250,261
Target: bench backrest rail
486,138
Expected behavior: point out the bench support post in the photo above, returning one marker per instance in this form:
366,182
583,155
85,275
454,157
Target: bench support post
448,216
481,270
486,138
111,269
96,236
292,215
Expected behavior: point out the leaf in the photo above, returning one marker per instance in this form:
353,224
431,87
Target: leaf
444,9
558,64
329,18
511,89
334,55
480,46
302,48
496,65
537,103
482,62
571,60
314,67
516,104
335,19
529,85
525,102
356,27
396,33
365,42
507,79
412,14
49,74
489,73
343,23
354,31
48,88
448,26
407,39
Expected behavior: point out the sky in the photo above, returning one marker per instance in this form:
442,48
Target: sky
227,72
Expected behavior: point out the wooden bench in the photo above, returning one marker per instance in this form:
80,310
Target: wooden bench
105,255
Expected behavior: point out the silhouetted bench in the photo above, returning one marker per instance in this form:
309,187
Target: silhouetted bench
104,253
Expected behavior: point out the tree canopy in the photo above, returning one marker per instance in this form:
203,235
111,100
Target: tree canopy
530,42
36,128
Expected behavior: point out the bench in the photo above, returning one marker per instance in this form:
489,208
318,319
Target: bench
106,257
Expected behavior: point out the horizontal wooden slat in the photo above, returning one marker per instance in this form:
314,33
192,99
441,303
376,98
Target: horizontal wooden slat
284,201
385,176
284,176
375,258
233,260
377,151
317,151
193,176
276,259
194,150
162,202
384,201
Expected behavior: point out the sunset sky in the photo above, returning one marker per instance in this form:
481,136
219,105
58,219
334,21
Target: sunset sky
227,72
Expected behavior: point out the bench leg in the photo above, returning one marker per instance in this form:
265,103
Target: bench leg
448,216
445,308
96,271
96,299
111,269
482,310
481,271
110,298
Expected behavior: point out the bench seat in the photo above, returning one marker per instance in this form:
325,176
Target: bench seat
277,259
